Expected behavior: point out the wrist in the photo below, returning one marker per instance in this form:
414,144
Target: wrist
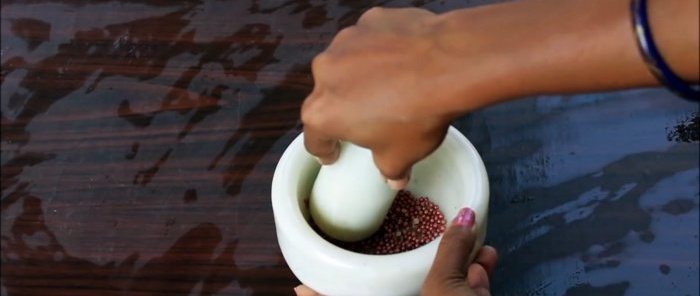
530,47
486,51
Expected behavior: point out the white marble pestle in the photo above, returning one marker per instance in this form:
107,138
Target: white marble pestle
350,198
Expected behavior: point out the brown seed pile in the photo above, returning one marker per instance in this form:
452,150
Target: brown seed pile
410,223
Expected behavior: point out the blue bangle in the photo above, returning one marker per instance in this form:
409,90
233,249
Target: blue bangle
655,62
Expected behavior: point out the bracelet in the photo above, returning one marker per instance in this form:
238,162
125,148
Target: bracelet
655,62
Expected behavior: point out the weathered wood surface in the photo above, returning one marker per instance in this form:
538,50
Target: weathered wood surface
139,142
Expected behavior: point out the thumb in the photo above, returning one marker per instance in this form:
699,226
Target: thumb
454,249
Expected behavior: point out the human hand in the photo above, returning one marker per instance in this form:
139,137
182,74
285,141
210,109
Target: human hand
394,81
381,84
451,274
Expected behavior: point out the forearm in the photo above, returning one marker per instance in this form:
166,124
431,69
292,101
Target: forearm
566,46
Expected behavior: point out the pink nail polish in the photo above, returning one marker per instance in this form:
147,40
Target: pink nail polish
465,217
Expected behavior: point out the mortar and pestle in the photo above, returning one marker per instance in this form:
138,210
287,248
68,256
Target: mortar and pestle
453,177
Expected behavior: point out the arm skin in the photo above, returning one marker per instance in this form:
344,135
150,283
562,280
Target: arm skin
572,46
394,81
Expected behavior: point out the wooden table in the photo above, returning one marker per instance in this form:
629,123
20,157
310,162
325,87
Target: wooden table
139,142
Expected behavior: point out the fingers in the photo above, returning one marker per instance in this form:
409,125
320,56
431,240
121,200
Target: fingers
325,148
477,278
394,157
399,184
456,245
480,271
371,16
396,170
487,258
344,38
302,290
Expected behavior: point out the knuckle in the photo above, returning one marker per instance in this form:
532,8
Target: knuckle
323,65
345,33
319,61
310,146
372,13
315,114
306,114
393,157
344,39
309,115
375,9
388,168
391,173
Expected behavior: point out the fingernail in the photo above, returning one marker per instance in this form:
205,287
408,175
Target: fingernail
327,160
398,184
331,158
303,290
319,160
465,217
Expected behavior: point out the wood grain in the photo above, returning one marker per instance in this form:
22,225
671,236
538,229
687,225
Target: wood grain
139,139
